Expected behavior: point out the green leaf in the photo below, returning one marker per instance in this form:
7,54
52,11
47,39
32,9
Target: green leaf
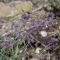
1,39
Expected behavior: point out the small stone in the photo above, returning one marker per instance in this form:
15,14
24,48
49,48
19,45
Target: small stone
38,50
34,59
20,51
59,27
43,33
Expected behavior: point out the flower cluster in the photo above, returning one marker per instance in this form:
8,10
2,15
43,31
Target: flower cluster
25,16
36,25
42,23
35,36
51,42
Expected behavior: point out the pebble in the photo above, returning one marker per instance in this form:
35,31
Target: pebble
38,50
34,59
43,33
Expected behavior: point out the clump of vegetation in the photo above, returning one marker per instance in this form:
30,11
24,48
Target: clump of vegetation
55,3
29,37
56,6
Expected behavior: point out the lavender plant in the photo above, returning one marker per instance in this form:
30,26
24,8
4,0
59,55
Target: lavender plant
17,43
42,23
25,16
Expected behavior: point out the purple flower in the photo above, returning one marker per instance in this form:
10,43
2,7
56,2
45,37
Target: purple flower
49,23
52,42
38,23
50,14
25,16
14,24
35,23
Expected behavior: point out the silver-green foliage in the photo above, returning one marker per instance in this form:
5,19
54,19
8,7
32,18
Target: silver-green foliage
55,3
